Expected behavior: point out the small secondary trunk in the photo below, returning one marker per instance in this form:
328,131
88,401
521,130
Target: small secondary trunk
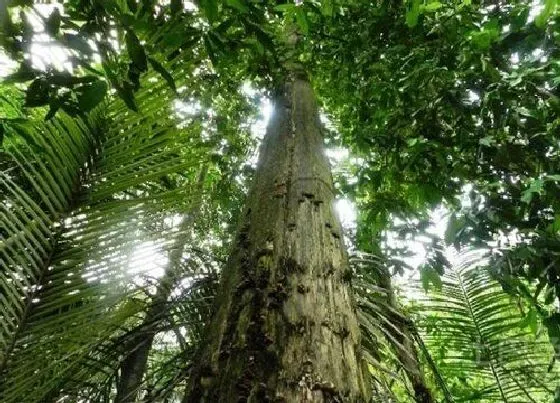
285,326
133,366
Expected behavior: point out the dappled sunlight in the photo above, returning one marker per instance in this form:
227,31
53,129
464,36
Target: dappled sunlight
146,255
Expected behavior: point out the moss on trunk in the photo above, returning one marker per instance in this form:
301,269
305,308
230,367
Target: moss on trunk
285,326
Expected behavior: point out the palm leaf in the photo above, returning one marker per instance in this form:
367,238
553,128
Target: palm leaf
387,334
83,202
472,329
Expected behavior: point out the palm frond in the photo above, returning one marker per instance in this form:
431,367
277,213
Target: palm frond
72,237
386,332
85,202
472,327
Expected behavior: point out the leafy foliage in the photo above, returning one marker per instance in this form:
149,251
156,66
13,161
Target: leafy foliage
387,338
449,102
84,201
413,142
484,124
487,349
129,38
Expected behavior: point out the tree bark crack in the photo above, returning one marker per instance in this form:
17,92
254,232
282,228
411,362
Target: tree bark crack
285,328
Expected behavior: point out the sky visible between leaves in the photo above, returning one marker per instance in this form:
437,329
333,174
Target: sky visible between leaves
147,261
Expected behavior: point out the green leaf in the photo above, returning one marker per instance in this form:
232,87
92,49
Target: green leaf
301,19
526,112
164,73
126,93
531,320
413,13
554,227
433,6
428,275
37,93
238,5
91,95
488,141
454,228
327,8
483,39
176,6
265,40
285,8
210,49
53,23
136,51
210,8
542,18
536,186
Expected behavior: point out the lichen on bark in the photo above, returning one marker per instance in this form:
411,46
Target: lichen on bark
285,326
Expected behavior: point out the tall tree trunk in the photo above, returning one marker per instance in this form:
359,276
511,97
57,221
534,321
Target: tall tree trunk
133,367
285,326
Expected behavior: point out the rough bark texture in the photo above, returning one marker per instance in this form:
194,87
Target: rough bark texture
133,367
285,326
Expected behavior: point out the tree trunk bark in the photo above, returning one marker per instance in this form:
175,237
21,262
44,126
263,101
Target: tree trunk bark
285,326
133,367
